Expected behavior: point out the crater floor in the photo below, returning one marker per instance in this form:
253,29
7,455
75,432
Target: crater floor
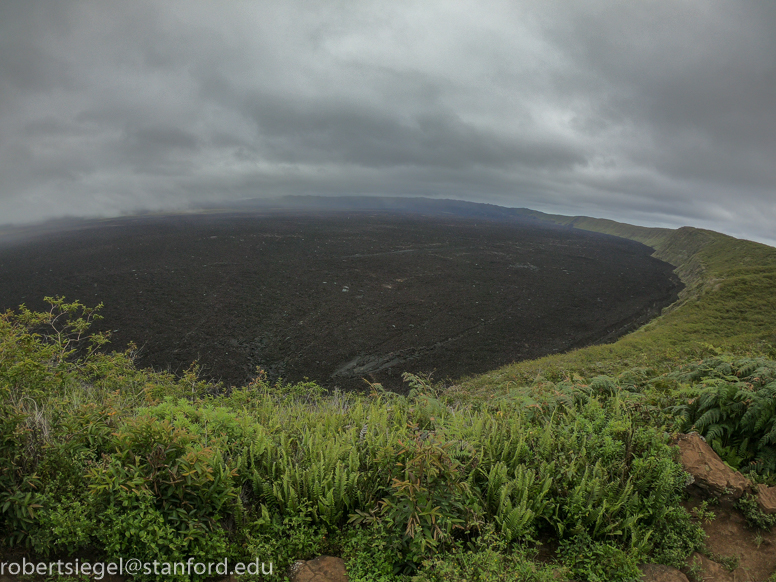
342,296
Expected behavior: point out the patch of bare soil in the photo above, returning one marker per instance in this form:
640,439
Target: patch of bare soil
735,552
342,296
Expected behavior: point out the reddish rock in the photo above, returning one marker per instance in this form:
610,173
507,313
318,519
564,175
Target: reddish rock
708,471
320,569
661,573
766,499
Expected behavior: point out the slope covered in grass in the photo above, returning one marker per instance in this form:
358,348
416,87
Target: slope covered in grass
729,304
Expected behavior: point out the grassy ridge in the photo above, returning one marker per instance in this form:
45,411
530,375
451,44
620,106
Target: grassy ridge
728,303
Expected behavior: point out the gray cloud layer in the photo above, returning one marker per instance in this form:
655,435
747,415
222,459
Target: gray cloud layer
658,113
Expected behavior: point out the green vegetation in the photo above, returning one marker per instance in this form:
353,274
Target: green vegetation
559,468
733,405
754,516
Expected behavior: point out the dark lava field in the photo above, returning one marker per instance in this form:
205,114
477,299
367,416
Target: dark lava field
341,296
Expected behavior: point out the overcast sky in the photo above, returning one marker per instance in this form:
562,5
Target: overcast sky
654,112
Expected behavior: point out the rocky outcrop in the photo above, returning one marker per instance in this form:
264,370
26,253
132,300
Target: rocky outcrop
320,569
766,499
709,474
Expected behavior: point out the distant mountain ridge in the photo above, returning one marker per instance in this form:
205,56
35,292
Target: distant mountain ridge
434,206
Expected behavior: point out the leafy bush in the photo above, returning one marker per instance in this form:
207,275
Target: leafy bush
63,528
429,501
599,561
487,559
732,403
676,537
40,352
285,540
371,554
19,485
189,484
755,516
142,532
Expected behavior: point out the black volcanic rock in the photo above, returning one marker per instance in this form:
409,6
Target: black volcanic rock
339,296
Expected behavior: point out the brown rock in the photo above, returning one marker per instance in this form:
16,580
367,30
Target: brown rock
660,573
766,498
320,569
708,471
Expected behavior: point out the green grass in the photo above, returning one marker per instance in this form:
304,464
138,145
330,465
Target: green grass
729,304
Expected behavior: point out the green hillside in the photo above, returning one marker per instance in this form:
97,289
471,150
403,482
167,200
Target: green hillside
560,468
729,303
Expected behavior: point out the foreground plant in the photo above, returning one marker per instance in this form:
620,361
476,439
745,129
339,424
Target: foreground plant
97,456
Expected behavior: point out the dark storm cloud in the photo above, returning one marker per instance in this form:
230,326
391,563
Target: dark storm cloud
660,112
336,133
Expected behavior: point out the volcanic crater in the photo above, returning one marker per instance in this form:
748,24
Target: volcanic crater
340,297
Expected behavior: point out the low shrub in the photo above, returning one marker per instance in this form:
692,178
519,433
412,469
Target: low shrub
140,530
599,561
189,484
732,403
755,516
284,540
490,558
